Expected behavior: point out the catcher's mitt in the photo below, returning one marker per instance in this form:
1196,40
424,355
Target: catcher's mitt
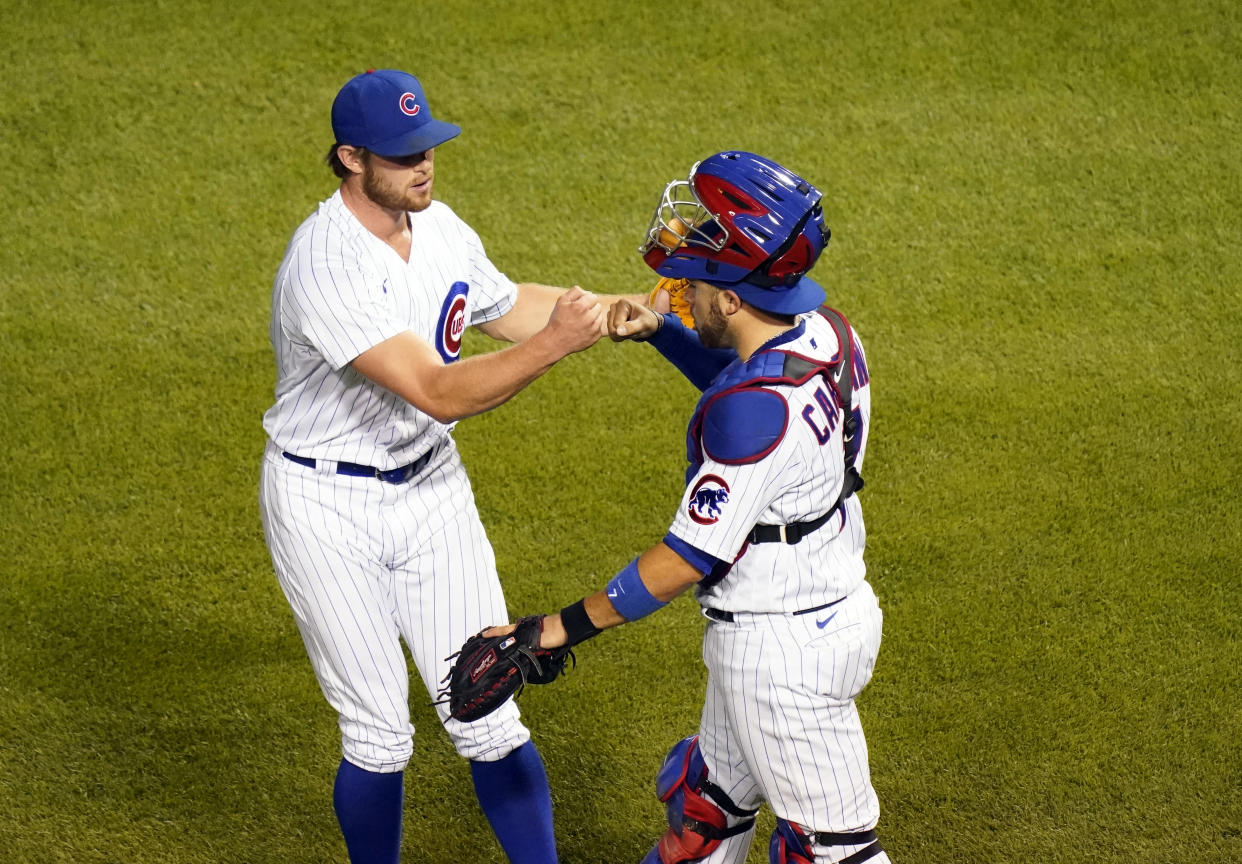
677,302
490,669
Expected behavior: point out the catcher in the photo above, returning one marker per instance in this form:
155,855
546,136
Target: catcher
768,531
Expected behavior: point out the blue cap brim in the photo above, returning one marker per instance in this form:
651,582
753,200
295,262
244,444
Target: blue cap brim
802,296
433,133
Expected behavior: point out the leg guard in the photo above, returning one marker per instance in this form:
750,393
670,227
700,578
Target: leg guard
698,810
792,844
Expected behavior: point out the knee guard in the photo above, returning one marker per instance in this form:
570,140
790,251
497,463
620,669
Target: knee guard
698,810
791,844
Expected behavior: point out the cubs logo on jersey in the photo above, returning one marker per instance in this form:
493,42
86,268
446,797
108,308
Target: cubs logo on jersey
452,323
708,496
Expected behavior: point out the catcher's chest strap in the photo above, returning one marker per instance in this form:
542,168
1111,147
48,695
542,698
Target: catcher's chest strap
841,372
791,534
795,531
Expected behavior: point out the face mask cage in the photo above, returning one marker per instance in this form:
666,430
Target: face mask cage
681,220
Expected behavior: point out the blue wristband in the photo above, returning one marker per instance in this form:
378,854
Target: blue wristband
629,596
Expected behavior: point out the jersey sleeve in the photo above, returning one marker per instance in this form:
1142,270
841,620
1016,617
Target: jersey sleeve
722,503
696,558
748,463
681,346
334,303
494,293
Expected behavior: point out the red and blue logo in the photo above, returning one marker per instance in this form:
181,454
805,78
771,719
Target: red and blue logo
709,494
408,103
452,324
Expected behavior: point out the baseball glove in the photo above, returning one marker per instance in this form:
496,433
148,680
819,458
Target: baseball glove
678,304
490,669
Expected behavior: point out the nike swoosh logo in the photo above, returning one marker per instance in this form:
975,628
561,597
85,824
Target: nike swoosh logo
822,624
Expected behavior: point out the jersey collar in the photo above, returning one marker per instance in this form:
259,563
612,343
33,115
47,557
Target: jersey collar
792,334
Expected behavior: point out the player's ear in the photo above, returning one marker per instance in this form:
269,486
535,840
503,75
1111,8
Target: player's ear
729,301
353,158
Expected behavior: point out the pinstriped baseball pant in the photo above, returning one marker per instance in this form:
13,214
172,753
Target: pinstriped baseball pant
779,723
366,564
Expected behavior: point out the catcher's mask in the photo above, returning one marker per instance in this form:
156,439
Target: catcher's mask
741,221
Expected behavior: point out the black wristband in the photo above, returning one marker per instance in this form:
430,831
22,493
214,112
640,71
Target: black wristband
577,624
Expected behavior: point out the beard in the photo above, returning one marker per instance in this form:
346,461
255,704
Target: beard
389,195
711,328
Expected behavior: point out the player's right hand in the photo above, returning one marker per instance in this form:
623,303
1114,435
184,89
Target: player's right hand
628,320
577,320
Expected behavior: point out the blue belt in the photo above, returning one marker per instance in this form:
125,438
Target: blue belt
353,469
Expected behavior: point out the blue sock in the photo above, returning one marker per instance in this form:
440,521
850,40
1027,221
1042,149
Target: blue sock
368,806
515,799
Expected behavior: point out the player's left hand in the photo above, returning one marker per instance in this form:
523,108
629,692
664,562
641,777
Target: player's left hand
496,664
552,635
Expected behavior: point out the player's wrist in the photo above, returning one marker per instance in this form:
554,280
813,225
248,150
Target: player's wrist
648,332
576,624
553,634
547,346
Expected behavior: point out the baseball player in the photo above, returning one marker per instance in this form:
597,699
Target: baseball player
366,507
768,530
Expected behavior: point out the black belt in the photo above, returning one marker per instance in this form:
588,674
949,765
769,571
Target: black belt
353,469
725,615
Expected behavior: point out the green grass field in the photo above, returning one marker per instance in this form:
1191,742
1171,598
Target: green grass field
1036,211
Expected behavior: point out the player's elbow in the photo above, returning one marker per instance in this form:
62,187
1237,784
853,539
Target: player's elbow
447,402
502,330
445,417
443,409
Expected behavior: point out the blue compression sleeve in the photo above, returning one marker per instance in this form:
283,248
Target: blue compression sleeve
513,793
681,346
629,596
368,806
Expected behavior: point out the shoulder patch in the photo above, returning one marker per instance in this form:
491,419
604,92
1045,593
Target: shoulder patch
741,426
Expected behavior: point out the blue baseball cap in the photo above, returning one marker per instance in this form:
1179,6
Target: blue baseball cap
385,111
803,295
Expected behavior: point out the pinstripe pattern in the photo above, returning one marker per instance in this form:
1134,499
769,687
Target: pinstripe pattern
798,481
341,290
364,564
779,722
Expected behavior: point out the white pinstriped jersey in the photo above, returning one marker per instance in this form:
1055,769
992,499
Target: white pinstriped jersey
340,291
798,481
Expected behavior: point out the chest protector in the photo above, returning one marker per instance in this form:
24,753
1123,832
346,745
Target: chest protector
743,386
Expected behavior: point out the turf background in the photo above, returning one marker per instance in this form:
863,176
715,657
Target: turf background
1035,214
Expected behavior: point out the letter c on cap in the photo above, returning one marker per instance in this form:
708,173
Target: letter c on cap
408,104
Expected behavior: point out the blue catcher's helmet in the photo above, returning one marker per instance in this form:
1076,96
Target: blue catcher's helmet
745,223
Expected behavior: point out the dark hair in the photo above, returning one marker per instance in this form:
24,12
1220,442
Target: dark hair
335,163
